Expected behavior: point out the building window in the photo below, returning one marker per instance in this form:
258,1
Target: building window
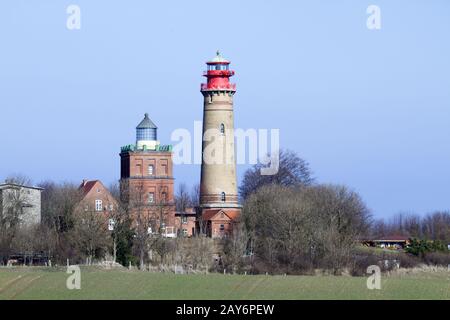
222,128
222,227
111,207
151,197
98,190
184,219
150,170
223,197
164,169
98,205
111,224
163,197
138,170
185,232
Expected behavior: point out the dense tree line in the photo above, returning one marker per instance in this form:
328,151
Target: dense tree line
70,232
433,226
292,171
294,229
289,224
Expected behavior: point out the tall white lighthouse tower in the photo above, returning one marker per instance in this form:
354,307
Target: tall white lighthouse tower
218,188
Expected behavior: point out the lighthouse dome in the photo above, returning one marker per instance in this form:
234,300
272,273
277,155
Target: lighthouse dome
218,59
146,133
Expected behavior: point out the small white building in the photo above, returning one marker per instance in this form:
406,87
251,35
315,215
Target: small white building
25,199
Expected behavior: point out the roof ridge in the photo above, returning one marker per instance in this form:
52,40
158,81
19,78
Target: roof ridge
146,123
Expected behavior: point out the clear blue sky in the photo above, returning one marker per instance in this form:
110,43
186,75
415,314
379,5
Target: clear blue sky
369,109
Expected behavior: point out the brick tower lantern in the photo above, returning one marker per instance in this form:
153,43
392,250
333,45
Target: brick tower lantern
146,180
219,205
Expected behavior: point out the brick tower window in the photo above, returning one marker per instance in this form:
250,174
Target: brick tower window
150,170
138,170
151,197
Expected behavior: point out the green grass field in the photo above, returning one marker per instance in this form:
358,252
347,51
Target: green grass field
38,283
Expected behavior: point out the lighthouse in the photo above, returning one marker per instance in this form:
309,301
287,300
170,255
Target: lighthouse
219,206
146,180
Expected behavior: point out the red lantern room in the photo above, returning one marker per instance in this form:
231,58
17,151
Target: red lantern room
218,75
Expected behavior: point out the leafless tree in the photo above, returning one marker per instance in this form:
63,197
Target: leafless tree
433,226
14,200
121,220
236,247
293,171
19,179
299,228
114,190
59,202
182,198
195,195
90,234
436,226
150,217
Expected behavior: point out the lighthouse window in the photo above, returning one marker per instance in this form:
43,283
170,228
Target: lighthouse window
223,197
220,67
222,128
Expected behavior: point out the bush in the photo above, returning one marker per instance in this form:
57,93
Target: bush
361,262
437,258
408,261
386,261
421,247
299,229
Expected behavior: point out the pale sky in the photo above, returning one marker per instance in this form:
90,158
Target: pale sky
366,108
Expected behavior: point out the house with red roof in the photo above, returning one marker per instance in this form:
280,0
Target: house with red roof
218,223
96,197
388,242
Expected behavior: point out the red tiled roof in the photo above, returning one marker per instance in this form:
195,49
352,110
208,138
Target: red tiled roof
87,186
209,214
392,238
386,238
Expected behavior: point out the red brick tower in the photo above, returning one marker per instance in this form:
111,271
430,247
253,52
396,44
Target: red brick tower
146,180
